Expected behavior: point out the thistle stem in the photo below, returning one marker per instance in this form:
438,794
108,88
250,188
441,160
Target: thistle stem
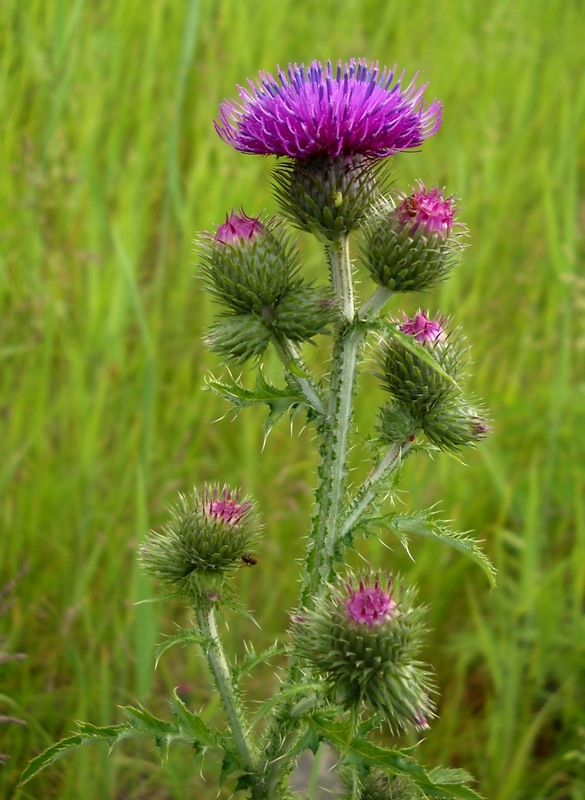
368,491
290,357
229,694
375,303
340,265
334,431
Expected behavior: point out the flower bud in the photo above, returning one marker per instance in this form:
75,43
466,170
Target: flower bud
365,641
253,271
456,426
239,228
413,245
378,785
203,544
328,196
410,379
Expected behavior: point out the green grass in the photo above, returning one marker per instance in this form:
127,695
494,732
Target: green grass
110,167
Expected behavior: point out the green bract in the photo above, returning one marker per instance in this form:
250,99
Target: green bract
372,664
205,541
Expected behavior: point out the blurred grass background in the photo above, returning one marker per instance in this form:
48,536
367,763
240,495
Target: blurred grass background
110,166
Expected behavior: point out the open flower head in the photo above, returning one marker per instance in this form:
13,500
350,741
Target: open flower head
364,640
351,108
335,126
209,533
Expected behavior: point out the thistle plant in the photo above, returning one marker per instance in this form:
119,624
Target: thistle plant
352,657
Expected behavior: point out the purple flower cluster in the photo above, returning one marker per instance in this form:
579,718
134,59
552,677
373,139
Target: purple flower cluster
350,109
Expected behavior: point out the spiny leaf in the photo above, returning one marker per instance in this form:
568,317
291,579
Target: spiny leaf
88,734
253,658
231,763
143,720
190,724
424,524
359,753
185,636
279,401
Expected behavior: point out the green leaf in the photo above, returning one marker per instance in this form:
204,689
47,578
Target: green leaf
89,734
279,401
426,525
285,694
143,720
360,754
191,725
230,764
447,775
252,659
185,636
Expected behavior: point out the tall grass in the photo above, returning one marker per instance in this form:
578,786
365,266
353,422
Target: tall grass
110,167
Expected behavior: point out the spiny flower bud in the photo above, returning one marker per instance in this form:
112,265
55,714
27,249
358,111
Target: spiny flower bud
410,379
454,427
328,196
378,785
413,245
253,271
424,398
203,544
365,640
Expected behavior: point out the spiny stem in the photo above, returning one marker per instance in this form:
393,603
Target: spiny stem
375,303
368,491
340,266
290,356
335,429
229,694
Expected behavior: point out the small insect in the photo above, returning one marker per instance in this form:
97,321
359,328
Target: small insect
411,205
249,560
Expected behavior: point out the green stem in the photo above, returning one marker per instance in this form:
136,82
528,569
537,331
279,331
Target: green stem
230,696
375,303
340,266
293,364
368,491
334,431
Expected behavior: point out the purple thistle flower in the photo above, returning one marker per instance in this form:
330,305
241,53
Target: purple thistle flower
428,211
238,227
327,111
370,605
423,329
225,507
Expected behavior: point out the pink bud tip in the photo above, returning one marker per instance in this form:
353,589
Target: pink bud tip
369,605
429,211
422,328
226,507
238,227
